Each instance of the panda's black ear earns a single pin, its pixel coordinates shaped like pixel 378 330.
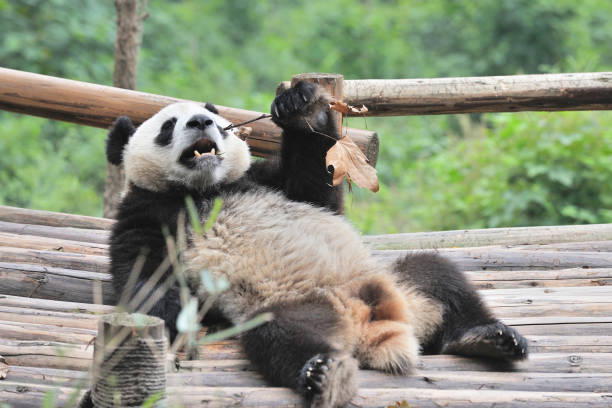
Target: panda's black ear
pixel 211 108
pixel 118 136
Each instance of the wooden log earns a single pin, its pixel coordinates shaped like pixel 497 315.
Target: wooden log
pixel 20 395
pixel 231 350
pixel 66 260
pixel 47 354
pixel 43 332
pixel 68 233
pixel 470 380
pixel 99 105
pixel 539 362
pixel 492 259
pixel 573 277
pixel 54 305
pixel 47 282
pixel 48 376
pixel 25 395
pixel 491 236
pixel 52 244
pixel 382 397
pixel 590 246
pixel 434 96
pixel 52 219
pixel 556 382
pixel 570 344
pixel 48 317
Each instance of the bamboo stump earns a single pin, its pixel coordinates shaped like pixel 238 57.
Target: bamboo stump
pixel 129 361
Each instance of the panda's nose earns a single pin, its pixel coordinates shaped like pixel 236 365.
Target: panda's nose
pixel 199 121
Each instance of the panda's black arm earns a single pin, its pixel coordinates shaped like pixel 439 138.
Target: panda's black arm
pixel 309 131
pixel 139 232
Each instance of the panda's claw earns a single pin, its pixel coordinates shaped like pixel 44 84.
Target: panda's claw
pixel 495 340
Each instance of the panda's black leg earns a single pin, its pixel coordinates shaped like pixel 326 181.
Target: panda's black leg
pixel 294 350
pixel 494 340
pixel 468 327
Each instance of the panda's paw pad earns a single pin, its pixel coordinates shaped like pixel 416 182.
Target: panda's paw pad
pixel 314 374
pixel 303 100
pixel 495 340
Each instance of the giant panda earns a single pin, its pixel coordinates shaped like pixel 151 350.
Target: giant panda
pixel 283 246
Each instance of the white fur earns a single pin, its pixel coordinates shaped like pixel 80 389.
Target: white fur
pixel 153 167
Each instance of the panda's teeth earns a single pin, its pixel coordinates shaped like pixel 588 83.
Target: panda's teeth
pixel 196 153
pixel 213 151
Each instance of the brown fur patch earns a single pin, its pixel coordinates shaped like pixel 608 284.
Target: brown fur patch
pixel 389 346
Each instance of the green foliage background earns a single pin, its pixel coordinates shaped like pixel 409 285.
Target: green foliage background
pixel 442 172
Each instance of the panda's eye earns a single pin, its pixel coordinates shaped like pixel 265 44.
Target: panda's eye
pixel 169 124
pixel 165 134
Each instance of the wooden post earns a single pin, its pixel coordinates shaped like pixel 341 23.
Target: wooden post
pixel 333 83
pixel 129 361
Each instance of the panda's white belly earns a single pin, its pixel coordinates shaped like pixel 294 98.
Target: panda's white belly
pixel 271 249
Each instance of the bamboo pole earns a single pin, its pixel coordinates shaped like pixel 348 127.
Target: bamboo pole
pixel 99 106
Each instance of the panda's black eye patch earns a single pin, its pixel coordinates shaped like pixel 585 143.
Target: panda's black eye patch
pixel 165 133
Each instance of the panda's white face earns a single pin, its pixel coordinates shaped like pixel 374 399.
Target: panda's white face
pixel 184 143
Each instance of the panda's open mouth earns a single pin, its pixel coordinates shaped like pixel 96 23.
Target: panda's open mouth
pixel 200 150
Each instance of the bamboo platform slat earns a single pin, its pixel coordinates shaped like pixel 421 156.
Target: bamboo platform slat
pixel 554 284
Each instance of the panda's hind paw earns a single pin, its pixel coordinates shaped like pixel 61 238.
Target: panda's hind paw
pixel 495 340
pixel 328 380
pixel 314 374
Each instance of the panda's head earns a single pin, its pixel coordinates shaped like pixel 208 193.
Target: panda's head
pixel 184 144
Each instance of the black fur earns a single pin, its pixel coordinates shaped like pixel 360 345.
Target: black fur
pixel 118 136
pixel 164 138
pixel 211 108
pixel 468 326
pixel 309 132
pixel 280 349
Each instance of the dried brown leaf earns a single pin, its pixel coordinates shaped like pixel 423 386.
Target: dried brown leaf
pixel 345 108
pixel 350 162
pixel 244 132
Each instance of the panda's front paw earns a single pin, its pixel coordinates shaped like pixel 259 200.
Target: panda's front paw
pixel 306 105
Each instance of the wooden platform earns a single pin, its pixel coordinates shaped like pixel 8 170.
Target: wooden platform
pixel 552 283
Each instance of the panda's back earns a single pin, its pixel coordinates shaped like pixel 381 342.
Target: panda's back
pixel 271 249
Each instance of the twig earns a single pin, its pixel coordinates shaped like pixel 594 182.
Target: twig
pixel 263 116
